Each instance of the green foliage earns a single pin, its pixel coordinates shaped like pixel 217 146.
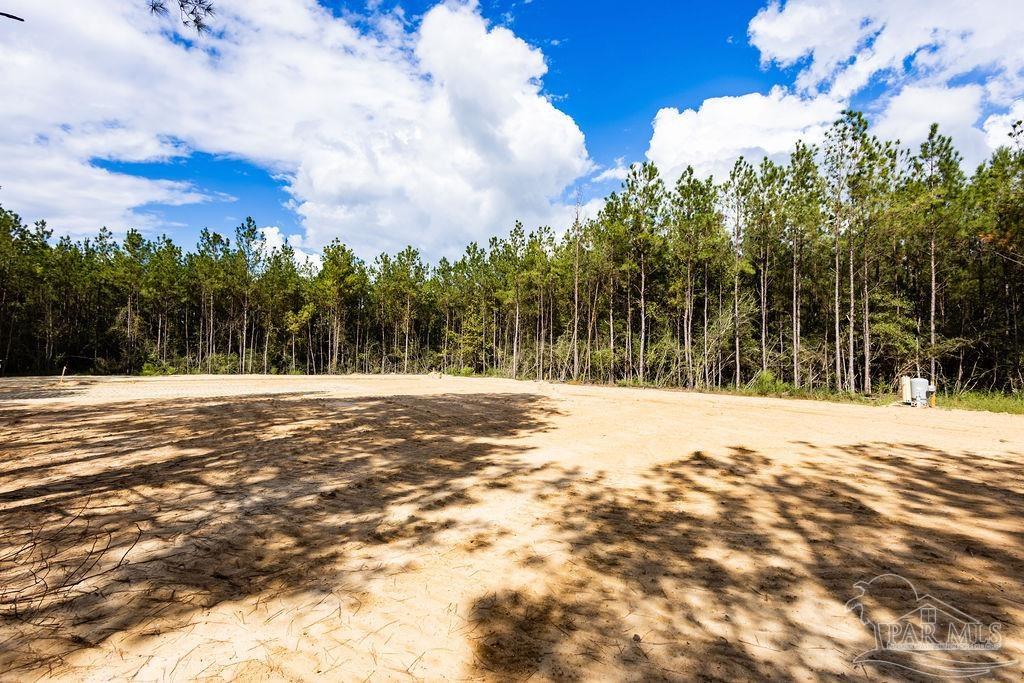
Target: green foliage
pixel 991 401
pixel 813 279
pixel 157 369
pixel 765 383
pixel 222 364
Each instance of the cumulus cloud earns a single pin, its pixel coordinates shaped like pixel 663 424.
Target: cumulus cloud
pixel 272 239
pixel 50 179
pixel 713 136
pixel 998 126
pixel 383 136
pixel 958 64
pixel 618 172
pixel 841 46
pixel 955 63
pixel 909 114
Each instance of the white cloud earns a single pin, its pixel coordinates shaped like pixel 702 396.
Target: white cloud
pixel 959 64
pixel 383 138
pixel 712 137
pixel 618 172
pixel 273 239
pixel 50 180
pixel 910 113
pixel 998 126
pixel 840 46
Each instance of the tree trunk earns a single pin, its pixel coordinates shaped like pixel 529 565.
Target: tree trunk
pixel 551 337
pixel 796 316
pixel 835 308
pixel 736 323
pixel 931 319
pixel 444 341
pixel 852 319
pixel 866 329
pixel 576 310
pixel 688 326
pixel 643 319
pixel 539 344
pixel 310 358
pixel 764 312
pixel 611 331
pixel 706 360
pixel 266 349
pixel 515 343
pixel 408 316
pixel 245 330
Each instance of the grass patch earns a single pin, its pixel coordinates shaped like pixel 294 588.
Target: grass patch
pixel 990 401
pixel 766 384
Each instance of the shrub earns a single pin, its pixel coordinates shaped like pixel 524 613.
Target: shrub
pixel 220 364
pixel 157 368
pixel 765 383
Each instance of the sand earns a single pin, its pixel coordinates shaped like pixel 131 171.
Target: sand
pixel 392 528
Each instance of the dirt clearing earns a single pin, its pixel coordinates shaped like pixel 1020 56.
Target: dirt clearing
pixel 277 528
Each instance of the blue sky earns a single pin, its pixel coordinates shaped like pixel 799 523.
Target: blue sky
pixel 610 67
pixel 615 66
pixel 388 123
pixel 237 189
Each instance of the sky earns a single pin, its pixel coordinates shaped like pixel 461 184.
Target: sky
pixel 389 123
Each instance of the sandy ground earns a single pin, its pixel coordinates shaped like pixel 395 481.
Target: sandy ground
pixel 389 528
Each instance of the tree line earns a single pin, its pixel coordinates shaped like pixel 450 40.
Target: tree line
pixel 839 270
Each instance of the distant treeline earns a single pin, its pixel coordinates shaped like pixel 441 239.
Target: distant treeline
pixel 846 267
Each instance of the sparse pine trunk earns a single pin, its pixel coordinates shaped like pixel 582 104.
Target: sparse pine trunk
pixel 931 318
pixel 611 331
pixel 643 319
pixel 796 314
pixel 245 330
pixel 866 330
pixel 852 385
pixel 688 326
pixel 515 343
pixel 576 307
pixel 736 324
pixel 835 307
pixel 736 298
pixel 408 322
pixel 704 337
pixel 266 351
pixel 764 311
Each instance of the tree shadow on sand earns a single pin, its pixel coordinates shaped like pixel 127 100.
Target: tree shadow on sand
pixel 732 567
pixel 27 388
pixel 116 515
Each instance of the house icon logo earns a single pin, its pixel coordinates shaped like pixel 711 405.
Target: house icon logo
pixel 922 633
